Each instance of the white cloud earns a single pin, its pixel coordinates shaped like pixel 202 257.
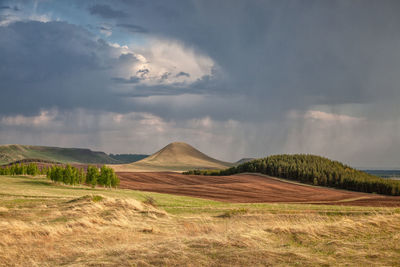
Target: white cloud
pixel 322 116
pixel 159 62
pixel 329 117
pixel 170 62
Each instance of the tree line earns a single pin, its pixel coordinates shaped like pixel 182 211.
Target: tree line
pixel 311 169
pixel 22 169
pixel 67 174
pixel 93 176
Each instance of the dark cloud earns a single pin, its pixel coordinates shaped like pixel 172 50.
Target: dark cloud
pixel 106 12
pixel 143 72
pixel 182 73
pixel 202 86
pixel 131 80
pixel 132 28
pixel 272 57
pixel 273 49
pixel 165 76
pixel 104 28
pixel 5 5
pixel 279 55
pixel 128 58
pixel 158 90
pixel 53 64
pixel 15 8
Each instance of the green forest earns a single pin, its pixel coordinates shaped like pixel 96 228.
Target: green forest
pixel 311 169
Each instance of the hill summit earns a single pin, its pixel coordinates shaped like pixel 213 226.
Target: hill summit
pixel 177 156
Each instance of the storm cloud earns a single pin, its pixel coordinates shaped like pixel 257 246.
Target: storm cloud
pixel 278 76
pixel 52 64
pixel 132 28
pixel 106 11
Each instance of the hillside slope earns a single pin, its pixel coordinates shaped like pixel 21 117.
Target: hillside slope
pixel 177 156
pixel 11 153
pixel 128 158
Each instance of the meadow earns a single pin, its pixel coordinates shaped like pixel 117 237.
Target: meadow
pixel 44 224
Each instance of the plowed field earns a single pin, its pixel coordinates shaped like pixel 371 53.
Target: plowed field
pixel 248 188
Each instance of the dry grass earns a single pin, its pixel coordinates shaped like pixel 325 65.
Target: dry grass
pixel 55 232
pixel 103 230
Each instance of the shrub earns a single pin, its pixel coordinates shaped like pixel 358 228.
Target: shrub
pixel 149 200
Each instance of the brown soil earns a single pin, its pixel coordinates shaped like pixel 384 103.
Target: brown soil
pixel 248 188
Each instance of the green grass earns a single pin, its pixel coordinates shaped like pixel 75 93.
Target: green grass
pixel 96 198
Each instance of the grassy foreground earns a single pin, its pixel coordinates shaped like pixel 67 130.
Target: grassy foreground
pixel 42 224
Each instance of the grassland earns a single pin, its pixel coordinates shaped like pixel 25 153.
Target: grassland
pixel 11 153
pixel 42 224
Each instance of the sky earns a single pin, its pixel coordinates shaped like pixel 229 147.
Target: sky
pixel 232 78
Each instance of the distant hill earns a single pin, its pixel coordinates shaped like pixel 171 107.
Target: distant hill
pixel 12 153
pixel 128 158
pixel 176 156
pixel 391 174
pixel 243 160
